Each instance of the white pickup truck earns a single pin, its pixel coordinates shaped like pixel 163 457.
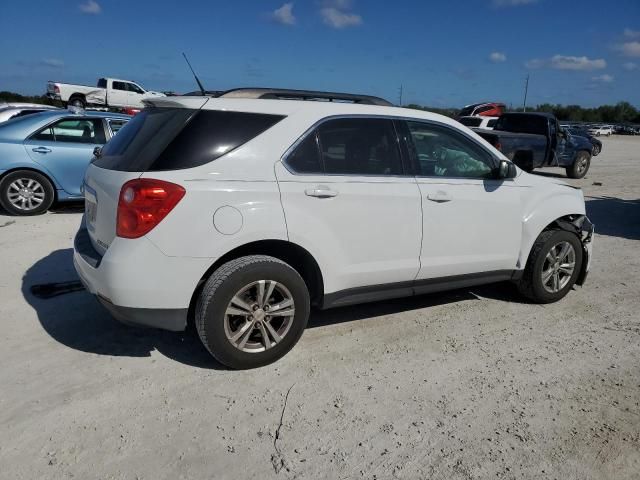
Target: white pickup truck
pixel 110 92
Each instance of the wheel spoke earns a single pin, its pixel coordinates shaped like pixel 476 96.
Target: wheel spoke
pixel 241 331
pixel 556 281
pixel 551 256
pixel 280 306
pixel 272 331
pixel 547 275
pixel 238 302
pixel 246 336
pixel 237 311
pixel 265 336
pixel 564 251
pixel 270 288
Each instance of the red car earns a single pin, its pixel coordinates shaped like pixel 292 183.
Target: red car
pixel 487 109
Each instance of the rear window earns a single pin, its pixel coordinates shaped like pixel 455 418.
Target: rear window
pixel 176 138
pixel 522 124
pixel 471 122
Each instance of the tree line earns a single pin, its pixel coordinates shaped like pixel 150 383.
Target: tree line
pixel 621 112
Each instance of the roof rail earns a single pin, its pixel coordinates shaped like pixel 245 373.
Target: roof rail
pixel 286 94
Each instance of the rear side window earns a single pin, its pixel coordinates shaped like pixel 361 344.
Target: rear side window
pixel 492 123
pixel 349 146
pixel 176 138
pixel 73 130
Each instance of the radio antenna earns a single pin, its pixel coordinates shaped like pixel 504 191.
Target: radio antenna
pixel 194 75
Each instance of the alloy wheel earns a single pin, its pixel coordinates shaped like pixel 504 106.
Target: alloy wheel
pixel 259 316
pixel 26 194
pixel 558 267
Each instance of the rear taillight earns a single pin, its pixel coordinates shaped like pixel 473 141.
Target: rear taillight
pixel 498 146
pixel 142 205
pixel 56 88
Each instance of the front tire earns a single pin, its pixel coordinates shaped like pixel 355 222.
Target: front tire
pixel 580 165
pixel 252 311
pixel 553 266
pixel 25 192
pixel 596 150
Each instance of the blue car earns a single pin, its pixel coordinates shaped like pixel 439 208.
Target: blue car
pixel 43 156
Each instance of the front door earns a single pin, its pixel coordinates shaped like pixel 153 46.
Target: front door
pixel 348 200
pixel 471 221
pixel 65 148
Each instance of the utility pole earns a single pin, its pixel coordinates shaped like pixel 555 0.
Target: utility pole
pixel 400 95
pixel 526 90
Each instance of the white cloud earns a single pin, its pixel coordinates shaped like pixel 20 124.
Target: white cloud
pixel 604 78
pixel 631 33
pixel 630 49
pixel 52 62
pixel 497 57
pixel 535 63
pixel 284 14
pixel 91 7
pixel 562 62
pixel 630 66
pixel 512 3
pixel 337 18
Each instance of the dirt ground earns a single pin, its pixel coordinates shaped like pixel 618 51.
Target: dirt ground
pixel 464 385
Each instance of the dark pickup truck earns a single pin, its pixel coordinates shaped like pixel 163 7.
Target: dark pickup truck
pixel 534 140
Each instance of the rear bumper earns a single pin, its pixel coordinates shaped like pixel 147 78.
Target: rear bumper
pixel 137 283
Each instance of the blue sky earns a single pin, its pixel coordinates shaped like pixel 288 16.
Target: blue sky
pixel 443 52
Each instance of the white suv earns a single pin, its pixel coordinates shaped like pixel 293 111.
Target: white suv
pixel 243 211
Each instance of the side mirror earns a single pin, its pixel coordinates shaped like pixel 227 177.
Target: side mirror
pixel 97 152
pixel 506 170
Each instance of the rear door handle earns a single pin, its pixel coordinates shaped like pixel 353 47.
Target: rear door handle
pixel 41 150
pixel 440 197
pixel 320 192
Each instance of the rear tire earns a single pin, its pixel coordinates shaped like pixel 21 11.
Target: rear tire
pixel 538 282
pixel 77 101
pixel 252 311
pixel 25 192
pixel 580 165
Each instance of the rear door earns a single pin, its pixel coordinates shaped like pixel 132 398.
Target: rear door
pixel 65 148
pixel 471 222
pixel 348 199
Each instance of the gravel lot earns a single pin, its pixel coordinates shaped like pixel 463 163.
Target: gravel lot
pixel 469 384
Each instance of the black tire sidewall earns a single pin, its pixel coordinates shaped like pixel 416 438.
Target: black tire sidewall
pixel 538 288
pixel 49 192
pixel 572 171
pixel 219 345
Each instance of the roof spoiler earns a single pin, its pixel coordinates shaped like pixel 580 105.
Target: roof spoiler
pixel 287 94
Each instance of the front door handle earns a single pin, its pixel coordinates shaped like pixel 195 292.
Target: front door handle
pixel 440 197
pixel 320 191
pixel 41 150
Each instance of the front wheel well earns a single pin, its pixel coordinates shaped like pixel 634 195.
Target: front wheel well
pixel 294 255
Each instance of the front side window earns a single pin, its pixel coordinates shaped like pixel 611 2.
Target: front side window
pixel 359 146
pixel 134 88
pixel 73 130
pixel 442 152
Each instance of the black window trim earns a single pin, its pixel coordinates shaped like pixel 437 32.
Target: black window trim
pixel 313 130
pixel 107 124
pixel 414 161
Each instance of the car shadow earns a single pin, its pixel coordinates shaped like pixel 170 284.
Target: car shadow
pixel 544 173
pixel 615 217
pixel 78 321
pixel 67 207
